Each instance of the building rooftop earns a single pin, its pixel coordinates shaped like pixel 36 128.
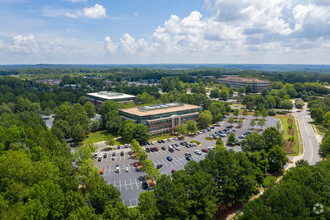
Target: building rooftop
pixel 159 109
pixel 242 79
pixel 110 95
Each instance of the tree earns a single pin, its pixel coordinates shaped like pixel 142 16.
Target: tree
pixel 90 109
pixel 326 119
pixel 245 112
pixel 224 94
pixel 78 133
pixel 182 129
pixel 110 140
pixel 231 138
pixel 219 142
pixel 299 103
pixel 264 113
pixel 191 126
pixel 272 137
pixel 47 111
pixel 261 123
pixel 218 118
pixel 248 89
pixel 236 112
pixel 82 100
pixel 150 169
pixel 35 107
pixel 113 122
pixel 171 198
pixel 278 125
pixel 127 130
pixel 231 91
pixel 250 106
pixel 286 104
pixel 276 158
pixel 231 120
pixel 107 107
pixel 253 142
pixel 141 133
pixel 215 93
pixel 205 118
pixel 256 113
pixel 148 205
pixel 317 114
pixel 324 150
pixel 253 123
pixel 264 92
pixel 241 90
pixel 240 122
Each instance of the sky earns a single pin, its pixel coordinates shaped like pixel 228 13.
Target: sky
pixel 165 31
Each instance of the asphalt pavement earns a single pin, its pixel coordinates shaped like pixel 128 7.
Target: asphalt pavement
pixel 310 143
pixel 130 183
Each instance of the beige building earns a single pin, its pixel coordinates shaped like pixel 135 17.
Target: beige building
pixel 97 98
pixel 237 82
pixel 162 118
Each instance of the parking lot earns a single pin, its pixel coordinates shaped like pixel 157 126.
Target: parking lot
pixel 130 183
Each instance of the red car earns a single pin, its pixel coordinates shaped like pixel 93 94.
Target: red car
pixel 172 171
pixel 101 171
pixel 205 150
pixel 156 149
pixel 136 164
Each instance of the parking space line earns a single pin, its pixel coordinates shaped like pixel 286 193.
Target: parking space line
pixel 130 203
pixel 125 185
pixel 136 184
pixel 131 184
pixel 114 183
pixel 136 201
pixel 119 185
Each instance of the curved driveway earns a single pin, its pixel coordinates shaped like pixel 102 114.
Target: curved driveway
pixel 310 143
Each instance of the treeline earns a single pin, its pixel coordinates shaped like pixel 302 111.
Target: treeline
pixel 135 74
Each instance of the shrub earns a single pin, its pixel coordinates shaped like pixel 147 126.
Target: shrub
pixel 271 112
pixel 269 181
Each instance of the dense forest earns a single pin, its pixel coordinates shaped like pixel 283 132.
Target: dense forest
pixel 42 178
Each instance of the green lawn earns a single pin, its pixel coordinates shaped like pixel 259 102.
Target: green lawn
pixel 160 137
pixel 285 124
pixel 97 137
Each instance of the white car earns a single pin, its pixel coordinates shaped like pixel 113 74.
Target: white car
pixel 117 168
pixel 210 148
pixel 95 155
pixel 198 152
pixel 170 147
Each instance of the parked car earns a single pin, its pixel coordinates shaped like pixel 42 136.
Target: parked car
pixel 152 149
pixel 163 148
pixel 122 153
pixel 145 184
pixel 210 148
pixel 105 155
pixel 163 141
pixel 130 153
pixel 205 150
pixel 136 164
pixel 95 155
pixel 174 170
pixel 118 147
pixel 147 150
pixel 159 141
pixel 99 158
pixel 159 166
pixel 156 149
pixel 229 126
pixel 198 152
pixel 126 169
pixel 171 150
pixel 169 140
pixel 169 158
pixel 101 171
pixel 117 168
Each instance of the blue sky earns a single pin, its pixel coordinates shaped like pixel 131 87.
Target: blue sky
pixel 164 31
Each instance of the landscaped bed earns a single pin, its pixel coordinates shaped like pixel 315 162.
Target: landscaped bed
pixel 290 135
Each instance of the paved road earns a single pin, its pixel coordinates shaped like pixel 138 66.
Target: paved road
pixel 311 146
pixel 130 183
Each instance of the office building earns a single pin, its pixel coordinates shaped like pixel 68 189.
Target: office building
pixel 97 98
pixel 162 118
pixel 237 82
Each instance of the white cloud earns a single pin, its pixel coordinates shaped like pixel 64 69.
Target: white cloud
pixel 96 11
pixel 24 44
pixel 109 45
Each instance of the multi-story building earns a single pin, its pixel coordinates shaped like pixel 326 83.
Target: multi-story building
pixel 162 118
pixel 236 82
pixel 97 98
